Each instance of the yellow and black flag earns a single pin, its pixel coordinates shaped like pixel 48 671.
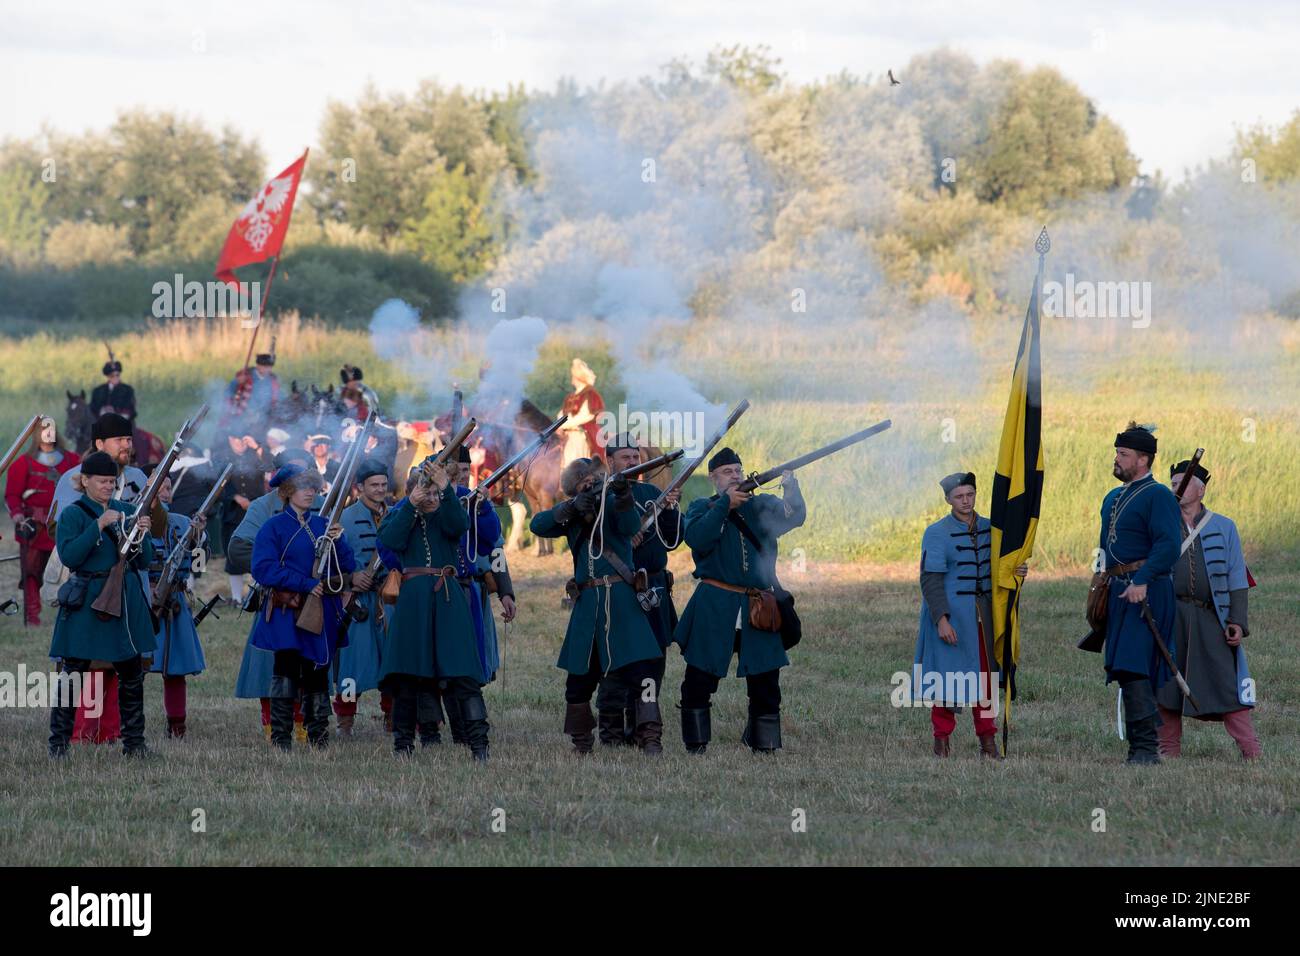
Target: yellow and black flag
pixel 1018 489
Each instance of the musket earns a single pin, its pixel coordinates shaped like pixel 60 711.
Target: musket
pixel 504 469
pixel 448 450
pixel 677 483
pixel 758 479
pixel 1187 475
pixel 636 471
pixel 170 578
pixel 109 601
pixel 1164 652
pixel 16 448
pixel 311 617
pixel 207 609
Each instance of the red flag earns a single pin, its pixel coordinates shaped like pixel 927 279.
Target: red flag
pixel 258 232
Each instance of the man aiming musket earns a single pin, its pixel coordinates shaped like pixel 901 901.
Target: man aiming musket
pixel 660 533
pixel 740 607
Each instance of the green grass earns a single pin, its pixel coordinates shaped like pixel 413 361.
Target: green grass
pixel 860 769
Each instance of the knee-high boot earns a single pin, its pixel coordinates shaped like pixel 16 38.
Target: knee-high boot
pixel 473 710
pixel 316 718
pixel 763 733
pixel 1140 722
pixel 697 728
pixel 284 694
pixel 405 715
pixel 579 724
pixel 427 715
pixel 63 712
pixel 649 728
pixel 130 700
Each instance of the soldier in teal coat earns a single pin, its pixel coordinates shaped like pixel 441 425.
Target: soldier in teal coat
pixel 431 645
pixel 733 540
pixel 89 532
pixel 615 712
pixel 608 632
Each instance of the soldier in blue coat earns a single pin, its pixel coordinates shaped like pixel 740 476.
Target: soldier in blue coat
pixel 89 532
pixel 283 564
pixel 179 652
pixel 733 539
pixel 615 713
pixel 1212 586
pixel 608 632
pixel 954 644
pixel 257 666
pixel 357 665
pixel 1138 547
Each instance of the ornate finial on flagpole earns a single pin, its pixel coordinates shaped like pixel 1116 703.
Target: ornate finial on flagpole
pixel 1042 245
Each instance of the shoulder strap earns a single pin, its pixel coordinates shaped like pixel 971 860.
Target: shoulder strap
pixel 1192 535
pixel 744 529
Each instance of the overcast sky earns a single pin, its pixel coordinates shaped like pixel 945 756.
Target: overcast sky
pixel 1177 76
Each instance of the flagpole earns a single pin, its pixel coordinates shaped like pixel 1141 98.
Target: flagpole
pixel 1042 245
pixel 261 309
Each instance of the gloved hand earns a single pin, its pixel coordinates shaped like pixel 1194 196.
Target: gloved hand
pixel 624 500
pixel 588 503
pixel 566 511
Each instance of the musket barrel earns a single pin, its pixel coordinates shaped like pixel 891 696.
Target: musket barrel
pixel 31 428
pixel 503 470
pixel 647 466
pixel 749 484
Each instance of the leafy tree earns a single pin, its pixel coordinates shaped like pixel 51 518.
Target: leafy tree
pixel 74 244
pixel 454 232
pixel 22 214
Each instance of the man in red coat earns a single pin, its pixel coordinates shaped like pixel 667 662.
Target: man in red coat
pixel 29 493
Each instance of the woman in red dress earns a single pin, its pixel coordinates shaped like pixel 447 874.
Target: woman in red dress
pixel 582 405
pixel 29 493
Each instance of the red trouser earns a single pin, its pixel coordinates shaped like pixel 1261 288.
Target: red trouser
pixel 944 719
pixel 266 711
pixel 32 562
pixel 1239 725
pixel 105 728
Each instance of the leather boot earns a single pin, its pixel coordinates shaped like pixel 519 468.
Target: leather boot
pixel 611 723
pixel 763 733
pixel 455 719
pixel 427 714
pixel 346 724
pixel 989 748
pixel 941 748
pixel 473 710
pixel 1140 722
pixel 697 728
pixel 284 693
pixel 130 699
pixel 176 728
pixel 316 718
pixel 578 724
pixel 63 713
pixel 649 729
pixel 629 726
pixel 405 709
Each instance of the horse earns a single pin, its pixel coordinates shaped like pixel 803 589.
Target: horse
pixel 538 481
pixel 78 422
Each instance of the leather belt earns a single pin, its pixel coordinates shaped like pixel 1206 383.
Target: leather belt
pixel 442 574
pixel 1129 568
pixel 732 587
pixel 605 581
pixel 1188 599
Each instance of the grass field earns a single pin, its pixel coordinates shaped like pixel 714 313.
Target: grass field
pixel 860 769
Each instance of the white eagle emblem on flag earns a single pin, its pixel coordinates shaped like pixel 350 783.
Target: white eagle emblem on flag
pixel 258 212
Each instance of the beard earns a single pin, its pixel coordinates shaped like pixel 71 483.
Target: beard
pixel 1123 475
